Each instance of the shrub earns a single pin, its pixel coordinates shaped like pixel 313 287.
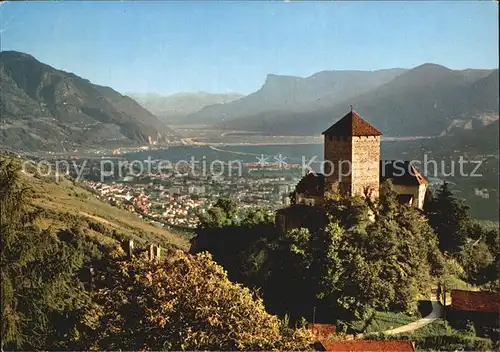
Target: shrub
pixel 97 227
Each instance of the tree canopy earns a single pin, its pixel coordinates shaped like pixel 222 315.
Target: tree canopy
pixel 366 256
pixel 450 219
pixel 184 303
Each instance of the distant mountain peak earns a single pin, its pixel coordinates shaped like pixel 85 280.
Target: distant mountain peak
pixel 171 108
pixel 272 78
pixel 20 57
pixel 15 53
pixel 429 65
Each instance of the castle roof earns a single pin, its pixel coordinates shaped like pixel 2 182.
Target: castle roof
pixel 352 125
pixel 401 172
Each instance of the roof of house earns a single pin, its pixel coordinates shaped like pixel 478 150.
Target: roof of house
pixel 475 301
pixel 401 172
pixel 352 125
pixel 368 346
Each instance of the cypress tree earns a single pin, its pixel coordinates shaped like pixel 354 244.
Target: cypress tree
pixel 450 219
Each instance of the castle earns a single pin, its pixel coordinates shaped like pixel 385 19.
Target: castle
pixel 352 167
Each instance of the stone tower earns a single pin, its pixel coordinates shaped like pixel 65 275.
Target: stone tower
pixel 352 149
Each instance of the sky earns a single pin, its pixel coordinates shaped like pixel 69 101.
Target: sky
pixel 168 47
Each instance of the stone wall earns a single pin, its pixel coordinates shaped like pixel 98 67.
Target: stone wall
pixel 337 149
pixel 422 189
pixel 366 165
pixel 363 171
pixel 417 191
pixel 309 199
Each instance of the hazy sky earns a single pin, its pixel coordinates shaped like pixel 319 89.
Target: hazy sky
pixel 169 47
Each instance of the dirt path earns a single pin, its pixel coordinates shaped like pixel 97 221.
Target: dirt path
pixel 437 312
pixel 97 218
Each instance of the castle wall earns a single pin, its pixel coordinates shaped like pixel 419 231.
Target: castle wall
pixel 422 189
pixel 337 149
pixel 309 200
pixel 366 165
pixel 418 193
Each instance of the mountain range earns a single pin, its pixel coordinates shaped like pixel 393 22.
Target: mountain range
pixel 43 108
pixel 295 94
pixel 423 101
pixel 173 108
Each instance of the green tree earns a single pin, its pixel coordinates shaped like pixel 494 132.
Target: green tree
pixel 228 206
pixel 222 213
pixel 390 262
pixel 351 213
pixel 363 257
pixel 288 289
pixel 214 218
pixel 480 257
pixel 257 216
pixel 475 259
pixel 304 271
pixel 450 219
pixel 491 273
pixel 326 266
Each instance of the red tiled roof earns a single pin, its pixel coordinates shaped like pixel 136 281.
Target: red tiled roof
pixel 322 331
pixel 369 346
pixel 475 301
pixel 352 125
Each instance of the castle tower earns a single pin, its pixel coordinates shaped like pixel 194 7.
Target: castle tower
pixel 352 148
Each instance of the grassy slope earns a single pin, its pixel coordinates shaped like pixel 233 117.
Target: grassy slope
pixel 382 321
pixel 68 198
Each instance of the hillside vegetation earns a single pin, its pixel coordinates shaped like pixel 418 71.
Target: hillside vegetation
pixel 71 286
pixel 66 203
pixel 359 264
